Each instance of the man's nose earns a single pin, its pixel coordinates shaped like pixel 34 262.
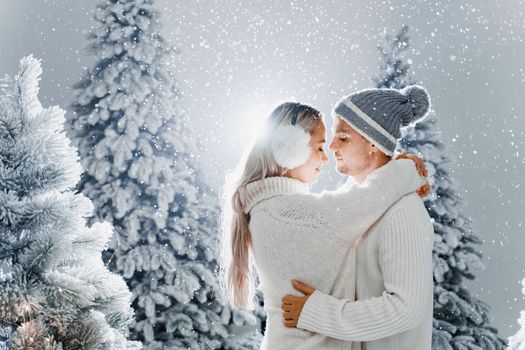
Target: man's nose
pixel 332 146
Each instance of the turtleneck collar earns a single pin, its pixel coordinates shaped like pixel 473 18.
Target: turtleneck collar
pixel 269 187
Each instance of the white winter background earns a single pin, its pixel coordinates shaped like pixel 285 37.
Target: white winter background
pixel 238 58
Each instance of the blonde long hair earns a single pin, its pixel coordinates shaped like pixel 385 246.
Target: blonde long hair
pixel 258 163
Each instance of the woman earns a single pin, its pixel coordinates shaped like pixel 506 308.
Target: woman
pixel 291 233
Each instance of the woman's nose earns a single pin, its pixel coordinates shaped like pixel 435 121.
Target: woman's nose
pixel 324 157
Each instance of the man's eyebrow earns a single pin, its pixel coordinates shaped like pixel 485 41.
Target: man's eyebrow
pixel 340 129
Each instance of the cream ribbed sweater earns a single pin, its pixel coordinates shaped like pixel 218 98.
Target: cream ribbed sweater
pixel 296 235
pixel 392 271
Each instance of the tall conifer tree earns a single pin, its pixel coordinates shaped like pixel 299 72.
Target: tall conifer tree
pixel 139 156
pixel 55 291
pixel 461 321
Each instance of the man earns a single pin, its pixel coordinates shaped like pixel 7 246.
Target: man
pixel 383 299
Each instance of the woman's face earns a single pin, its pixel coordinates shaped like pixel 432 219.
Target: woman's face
pixel 309 172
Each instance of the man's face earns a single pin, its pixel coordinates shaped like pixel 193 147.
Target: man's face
pixel 351 151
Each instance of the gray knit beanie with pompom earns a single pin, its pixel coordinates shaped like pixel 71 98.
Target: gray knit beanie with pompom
pixel 379 114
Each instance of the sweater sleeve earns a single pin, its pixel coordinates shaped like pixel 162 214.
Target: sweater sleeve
pixel 405 258
pixel 351 212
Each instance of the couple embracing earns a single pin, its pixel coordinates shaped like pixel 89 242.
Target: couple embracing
pixel 344 269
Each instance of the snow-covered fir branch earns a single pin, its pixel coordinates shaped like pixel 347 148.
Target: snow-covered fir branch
pixel 517 341
pixel 55 291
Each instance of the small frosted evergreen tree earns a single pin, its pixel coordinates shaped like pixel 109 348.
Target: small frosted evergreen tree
pixel 393 68
pixel 55 291
pixel 517 341
pixel 138 153
pixel 460 320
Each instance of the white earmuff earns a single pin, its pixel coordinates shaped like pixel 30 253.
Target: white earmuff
pixel 291 144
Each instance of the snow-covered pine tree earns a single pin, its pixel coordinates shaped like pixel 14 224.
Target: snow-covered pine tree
pixel 393 69
pixel 517 341
pixel 460 320
pixel 139 157
pixel 55 291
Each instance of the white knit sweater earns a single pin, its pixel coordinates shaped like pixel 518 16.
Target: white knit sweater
pixel 296 235
pixel 391 273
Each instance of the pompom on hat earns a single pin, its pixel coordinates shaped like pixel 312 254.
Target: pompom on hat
pixel 379 114
pixel 419 104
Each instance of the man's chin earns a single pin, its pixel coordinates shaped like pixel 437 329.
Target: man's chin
pixel 341 169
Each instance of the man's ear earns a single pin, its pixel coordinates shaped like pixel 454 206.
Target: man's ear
pixel 373 149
